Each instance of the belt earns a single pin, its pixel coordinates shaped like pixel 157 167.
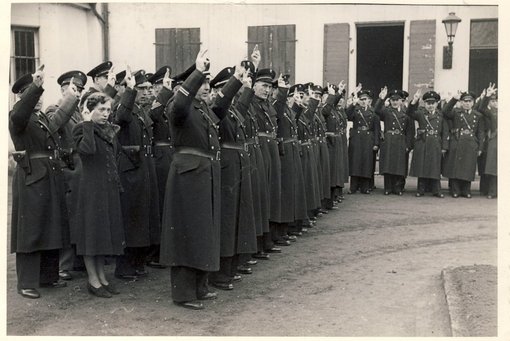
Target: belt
pixel 363 128
pixel 395 131
pixel 147 150
pixel 198 152
pixel 252 140
pixel 162 144
pixel 292 139
pixel 305 143
pixel 236 146
pixel 329 133
pixel 466 132
pixel 42 155
pixel 268 135
pixel 454 130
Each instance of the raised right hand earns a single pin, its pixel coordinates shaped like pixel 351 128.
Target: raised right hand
pixel 38 76
pixel 202 62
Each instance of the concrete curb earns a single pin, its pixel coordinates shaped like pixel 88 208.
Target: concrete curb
pixel 471 296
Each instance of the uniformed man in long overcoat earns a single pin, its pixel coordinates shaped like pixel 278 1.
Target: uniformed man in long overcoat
pixel 363 140
pixel 38 206
pixel 266 117
pixel 190 241
pixel 398 135
pixel 140 205
pixel 72 162
pixel 162 143
pixel 238 232
pixel 489 108
pixel 465 143
pixel 431 143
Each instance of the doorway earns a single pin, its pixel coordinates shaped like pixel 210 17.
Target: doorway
pixel 380 56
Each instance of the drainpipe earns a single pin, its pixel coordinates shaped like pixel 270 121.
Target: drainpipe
pixel 105 27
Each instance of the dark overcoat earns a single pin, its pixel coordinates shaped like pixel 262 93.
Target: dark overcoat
pixel 398 139
pixel 293 187
pixel 238 232
pixel 266 118
pixel 491 115
pixel 432 138
pixel 257 167
pixel 308 157
pixel 98 228
pixel 333 139
pixel 190 233
pixel 325 175
pixel 140 204
pixel 363 136
pixel 162 148
pixel 465 142
pixel 38 205
pixel 343 167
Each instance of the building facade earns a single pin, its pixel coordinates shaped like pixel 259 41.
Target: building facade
pixel 401 46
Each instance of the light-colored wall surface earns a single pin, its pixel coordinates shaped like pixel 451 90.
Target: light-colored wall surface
pixel 224 32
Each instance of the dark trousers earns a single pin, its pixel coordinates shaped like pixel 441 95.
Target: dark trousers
pixel 134 258
pixel 67 256
pixel 358 182
pixel 36 268
pixel 264 242
pixel 461 187
pixel 228 268
pixel 484 184
pixel 427 184
pixel 393 183
pixel 153 253
pixel 276 231
pixel 188 284
pixel 492 185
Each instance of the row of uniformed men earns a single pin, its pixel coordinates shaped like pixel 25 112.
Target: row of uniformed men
pixel 284 159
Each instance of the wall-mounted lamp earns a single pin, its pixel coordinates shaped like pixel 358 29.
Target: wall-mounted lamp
pixel 450 24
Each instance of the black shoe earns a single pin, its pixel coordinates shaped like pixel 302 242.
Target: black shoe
pixel 260 255
pixel 210 296
pixel 127 277
pixel 400 193
pixel 251 262
pixel 282 243
pixel 29 293
pixel 439 195
pixel 141 273
pixel 194 305
pixel 244 270
pixel 237 278
pixel 296 233
pixel 367 192
pixel 419 195
pixel 111 289
pixel 323 211
pixel 155 265
pixel 490 197
pixel 221 286
pixel 455 196
pixel 99 292
pixel 304 230
pixel 386 193
pixel 65 275
pixel 468 196
pixel 290 238
pixel 273 250
pixel 56 284
pixel 334 207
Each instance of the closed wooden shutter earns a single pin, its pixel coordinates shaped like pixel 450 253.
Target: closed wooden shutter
pixel 484 34
pixel 421 55
pixel 277 45
pixel 177 47
pixel 336 53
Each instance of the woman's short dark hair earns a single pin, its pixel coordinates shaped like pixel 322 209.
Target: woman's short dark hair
pixel 96 98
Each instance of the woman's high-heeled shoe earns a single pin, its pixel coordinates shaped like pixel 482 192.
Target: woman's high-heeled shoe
pixel 99 292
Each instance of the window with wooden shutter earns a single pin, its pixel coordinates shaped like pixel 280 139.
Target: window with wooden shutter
pixel 277 45
pixel 177 47
pixel 336 53
pixel 422 51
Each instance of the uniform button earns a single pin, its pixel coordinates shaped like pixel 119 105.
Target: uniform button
pixel 49 147
pixel 212 147
pixel 210 135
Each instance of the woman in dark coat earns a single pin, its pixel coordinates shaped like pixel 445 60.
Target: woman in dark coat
pixel 98 231
pixel 431 143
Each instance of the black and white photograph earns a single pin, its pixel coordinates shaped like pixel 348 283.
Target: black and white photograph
pixel 255 169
